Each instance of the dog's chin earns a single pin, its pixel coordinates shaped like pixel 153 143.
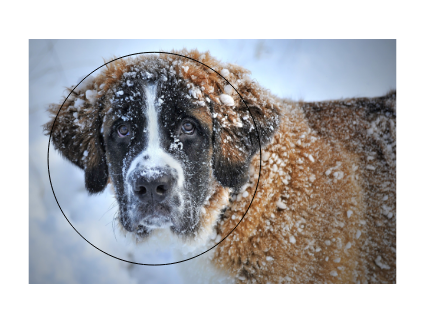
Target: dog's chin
pixel 150 218
pixel 161 216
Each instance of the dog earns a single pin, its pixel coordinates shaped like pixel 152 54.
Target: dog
pixel 295 192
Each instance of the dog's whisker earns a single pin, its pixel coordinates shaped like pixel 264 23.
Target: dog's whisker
pixel 114 220
pixel 112 206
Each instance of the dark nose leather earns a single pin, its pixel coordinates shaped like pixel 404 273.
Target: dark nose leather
pixel 153 189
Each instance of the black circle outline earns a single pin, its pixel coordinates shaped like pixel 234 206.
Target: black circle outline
pixel 51 184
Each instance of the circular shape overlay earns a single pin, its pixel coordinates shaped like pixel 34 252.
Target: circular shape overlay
pixel 147 264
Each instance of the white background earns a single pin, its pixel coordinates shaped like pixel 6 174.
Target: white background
pixel 220 19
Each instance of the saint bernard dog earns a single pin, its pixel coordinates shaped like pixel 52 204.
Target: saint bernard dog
pixel 187 142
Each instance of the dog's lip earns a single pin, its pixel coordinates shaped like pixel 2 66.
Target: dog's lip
pixel 156 221
pixel 148 216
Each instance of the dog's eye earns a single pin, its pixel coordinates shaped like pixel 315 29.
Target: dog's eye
pixel 123 131
pixel 188 128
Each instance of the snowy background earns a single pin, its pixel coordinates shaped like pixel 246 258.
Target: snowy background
pixel 299 69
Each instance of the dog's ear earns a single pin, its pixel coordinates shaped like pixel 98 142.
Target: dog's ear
pixel 239 130
pixel 75 130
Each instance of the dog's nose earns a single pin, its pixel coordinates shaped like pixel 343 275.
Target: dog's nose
pixel 153 189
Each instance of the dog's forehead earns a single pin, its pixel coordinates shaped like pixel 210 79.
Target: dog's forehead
pixel 172 95
pixel 184 88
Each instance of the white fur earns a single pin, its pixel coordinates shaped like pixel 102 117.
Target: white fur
pixel 201 270
pixel 157 157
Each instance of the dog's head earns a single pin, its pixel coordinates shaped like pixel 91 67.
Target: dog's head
pixel 171 135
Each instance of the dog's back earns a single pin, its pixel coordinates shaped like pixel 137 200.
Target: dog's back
pixel 325 206
pixel 366 128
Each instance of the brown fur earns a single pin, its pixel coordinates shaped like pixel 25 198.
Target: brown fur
pixel 317 202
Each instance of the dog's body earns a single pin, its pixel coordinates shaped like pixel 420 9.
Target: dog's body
pixel 181 150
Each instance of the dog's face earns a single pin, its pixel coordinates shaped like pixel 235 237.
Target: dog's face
pixel 159 151
pixel 168 133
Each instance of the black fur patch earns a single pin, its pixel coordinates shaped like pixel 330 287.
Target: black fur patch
pixel 244 143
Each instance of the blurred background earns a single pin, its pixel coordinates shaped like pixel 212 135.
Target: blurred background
pixel 310 70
